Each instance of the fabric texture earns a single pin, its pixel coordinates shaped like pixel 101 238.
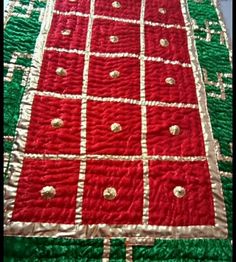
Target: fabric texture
pixel 117 131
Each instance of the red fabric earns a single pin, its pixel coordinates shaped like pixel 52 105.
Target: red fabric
pixel 36 174
pixel 183 91
pixel 77 38
pixel 177 38
pixel 100 138
pixel 128 34
pixel 82 6
pixel 173 13
pixel 195 208
pixel 69 84
pixel 128 10
pixel 126 177
pixel 43 138
pixel 101 84
pixel 189 142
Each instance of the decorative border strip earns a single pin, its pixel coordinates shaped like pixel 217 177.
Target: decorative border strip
pixel 91 231
pixel 113 55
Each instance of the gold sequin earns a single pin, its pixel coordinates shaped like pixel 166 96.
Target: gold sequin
pixel 61 71
pixel 109 193
pixel 170 81
pixel 164 42
pixel 116 4
pixel 66 32
pixel 57 122
pixel 48 192
pixel 179 191
pixel 114 74
pixel 116 127
pixel 162 10
pixel 174 130
pixel 114 39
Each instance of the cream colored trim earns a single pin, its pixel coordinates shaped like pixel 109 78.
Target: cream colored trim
pixel 226 174
pixel 118 100
pixel 82 174
pixel 106 250
pixel 113 55
pixel 129 253
pixel 131 21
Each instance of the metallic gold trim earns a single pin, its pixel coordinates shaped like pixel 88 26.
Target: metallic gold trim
pixel 82 174
pixel 113 55
pixel 226 174
pixel 8 138
pixel 144 117
pixel 106 250
pixel 128 252
pixel 218 199
pixel 131 21
pixel 115 157
pixel 118 100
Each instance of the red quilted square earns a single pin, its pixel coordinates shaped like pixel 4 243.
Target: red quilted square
pixel 114 77
pixel 54 126
pixel 176 48
pixel 124 9
pixel 68 32
pixel 166 12
pixel 82 6
pixel 193 206
pixel 124 205
pixel 187 142
pixel 124 37
pixel 160 88
pixel 113 128
pixel 71 83
pixel 31 206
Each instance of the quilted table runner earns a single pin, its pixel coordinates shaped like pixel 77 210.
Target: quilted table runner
pixel 117 131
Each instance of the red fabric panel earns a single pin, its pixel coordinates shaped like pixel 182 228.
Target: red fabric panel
pixel 126 177
pixel 69 84
pixel 43 138
pixel 195 208
pixel 63 176
pixel 82 6
pixel 101 140
pixel 76 40
pixel 159 140
pixel 128 10
pixel 127 85
pixel 173 13
pixel 177 38
pixel 129 37
pixel 183 91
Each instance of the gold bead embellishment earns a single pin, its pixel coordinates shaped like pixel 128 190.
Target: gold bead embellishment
pixel 57 122
pixel 66 32
pixel 170 81
pixel 114 74
pixel 109 193
pixel 174 130
pixel 162 10
pixel 179 191
pixel 114 39
pixel 116 127
pixel 48 192
pixel 164 42
pixel 61 71
pixel 116 4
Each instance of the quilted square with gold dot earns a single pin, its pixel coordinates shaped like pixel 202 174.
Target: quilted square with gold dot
pixel 117 134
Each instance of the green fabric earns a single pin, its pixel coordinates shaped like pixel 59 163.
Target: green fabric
pixel 20 35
